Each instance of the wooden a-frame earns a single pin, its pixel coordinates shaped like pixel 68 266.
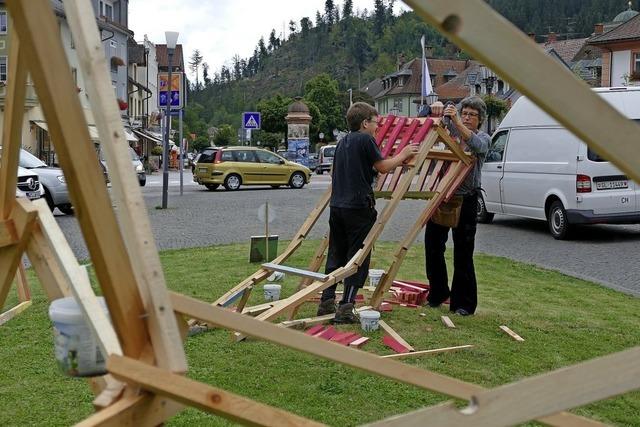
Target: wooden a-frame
pixel 146 358
pixel 432 176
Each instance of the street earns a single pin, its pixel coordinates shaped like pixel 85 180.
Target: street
pixel 604 254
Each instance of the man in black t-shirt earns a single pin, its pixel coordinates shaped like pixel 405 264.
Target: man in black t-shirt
pixel 352 211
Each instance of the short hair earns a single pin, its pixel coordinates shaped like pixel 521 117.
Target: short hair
pixel 475 103
pixel 358 113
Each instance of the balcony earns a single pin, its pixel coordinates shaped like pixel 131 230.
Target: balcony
pixel 31 99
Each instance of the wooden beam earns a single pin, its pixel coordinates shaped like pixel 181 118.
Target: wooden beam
pixel 518 60
pixel 8 235
pixel 143 410
pixel 12 124
pixel 389 330
pixel 24 218
pixel 427 352
pixel 296 271
pixel 202 396
pixel 13 312
pixel 447 322
pixel 132 215
pixel 22 285
pixel 409 195
pixel 47 62
pixel 511 333
pixel 537 396
pixel 49 272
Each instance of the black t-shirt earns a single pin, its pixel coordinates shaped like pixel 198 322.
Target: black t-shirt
pixel 353 171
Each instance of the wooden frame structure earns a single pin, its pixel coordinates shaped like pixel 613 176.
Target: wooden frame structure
pixel 432 176
pixel 144 348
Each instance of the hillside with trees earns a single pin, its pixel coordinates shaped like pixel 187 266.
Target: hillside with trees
pixel 323 56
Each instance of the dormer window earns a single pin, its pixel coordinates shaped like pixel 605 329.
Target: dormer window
pixel 401 82
pixel 106 9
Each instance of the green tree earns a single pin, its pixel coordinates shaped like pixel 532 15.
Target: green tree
pixel 347 9
pixel 226 135
pixel 305 26
pixel 322 91
pixel 194 64
pixel 273 112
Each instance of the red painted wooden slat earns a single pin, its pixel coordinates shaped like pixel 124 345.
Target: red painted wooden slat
pixel 314 330
pixel 383 129
pixel 391 140
pixel 394 344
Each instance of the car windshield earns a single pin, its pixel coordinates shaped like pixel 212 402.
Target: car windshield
pixel 29 161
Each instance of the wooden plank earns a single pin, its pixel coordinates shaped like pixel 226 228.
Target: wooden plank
pixel 309 321
pixel 296 271
pixel 8 235
pixel 511 333
pixel 359 342
pixel 202 396
pixel 257 309
pixel 12 124
pixel 434 175
pixel 53 281
pixel 24 218
pixel 384 128
pixel 245 297
pixel 132 212
pixel 388 329
pixel 143 410
pixel 13 312
pixel 454 147
pixel 409 195
pixel 393 137
pixel 517 59
pixel 427 352
pixel 422 176
pixel 47 62
pixel 316 261
pixel 22 285
pixel 447 322
pixel 358 359
pixel 392 343
pixel 78 278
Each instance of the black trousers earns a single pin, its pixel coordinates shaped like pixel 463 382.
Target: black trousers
pixel 347 230
pixel 463 292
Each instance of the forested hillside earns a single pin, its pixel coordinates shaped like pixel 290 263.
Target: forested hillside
pixel 352 49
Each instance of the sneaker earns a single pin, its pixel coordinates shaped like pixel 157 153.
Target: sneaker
pixel 462 312
pixel 326 307
pixel 345 314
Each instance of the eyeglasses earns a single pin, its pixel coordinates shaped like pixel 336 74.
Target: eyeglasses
pixel 469 114
pixel 373 121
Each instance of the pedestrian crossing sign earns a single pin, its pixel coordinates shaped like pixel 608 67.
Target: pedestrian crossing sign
pixel 251 120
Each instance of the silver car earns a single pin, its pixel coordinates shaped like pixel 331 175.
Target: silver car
pixel 52 180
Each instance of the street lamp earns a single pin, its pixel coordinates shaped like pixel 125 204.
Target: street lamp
pixel 431 98
pixel 172 39
pixel 488 78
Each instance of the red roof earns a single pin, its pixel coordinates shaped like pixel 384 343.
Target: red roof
pixel 566 49
pixel 163 59
pixel 627 31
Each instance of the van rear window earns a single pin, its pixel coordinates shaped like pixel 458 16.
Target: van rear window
pixel 207 156
pixel 595 157
pixel 329 152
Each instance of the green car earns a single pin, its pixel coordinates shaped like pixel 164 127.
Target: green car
pixel 236 166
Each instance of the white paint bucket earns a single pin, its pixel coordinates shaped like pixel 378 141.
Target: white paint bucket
pixel 369 320
pixel 374 276
pixel 76 349
pixel 271 292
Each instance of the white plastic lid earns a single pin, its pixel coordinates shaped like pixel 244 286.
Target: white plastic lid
pixel 376 272
pixel 271 286
pixel 369 314
pixel 66 310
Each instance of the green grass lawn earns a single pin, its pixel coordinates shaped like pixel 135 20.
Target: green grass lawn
pixel 563 321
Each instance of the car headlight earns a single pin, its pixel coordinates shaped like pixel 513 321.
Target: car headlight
pixel 139 168
pixel 61 179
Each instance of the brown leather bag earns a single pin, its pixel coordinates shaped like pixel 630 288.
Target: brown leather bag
pixel 448 213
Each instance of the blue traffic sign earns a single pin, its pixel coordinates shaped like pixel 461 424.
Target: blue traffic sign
pixel 251 120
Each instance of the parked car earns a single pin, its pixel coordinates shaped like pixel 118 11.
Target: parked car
pixel 535 168
pixel 28 184
pixel 325 158
pixel 236 166
pixel 52 181
pixel 138 167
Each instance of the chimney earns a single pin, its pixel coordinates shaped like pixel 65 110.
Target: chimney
pixel 599 29
pixel 401 61
pixel 532 36
pixel 552 38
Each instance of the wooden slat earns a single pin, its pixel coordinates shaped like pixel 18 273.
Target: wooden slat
pixel 427 352
pixel 132 212
pixel 202 396
pixel 453 145
pixel 143 410
pixel 389 330
pixel 22 285
pixel 310 321
pixel 409 195
pixel 393 137
pixel 13 312
pixel 47 62
pixel 49 272
pixel 512 334
pixel 316 261
pixel 430 185
pixel 296 271
pixel 422 176
pixel 384 128
pixel 517 59
pixel 12 124
pixel 447 322
pixel 409 133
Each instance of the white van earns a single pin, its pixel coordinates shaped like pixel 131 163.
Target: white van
pixel 537 169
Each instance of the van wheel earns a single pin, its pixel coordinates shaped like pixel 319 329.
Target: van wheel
pixel 297 180
pixel 484 217
pixel 232 182
pixel 212 187
pixel 559 226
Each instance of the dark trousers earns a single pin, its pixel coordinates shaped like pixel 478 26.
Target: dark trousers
pixel 463 292
pixel 347 230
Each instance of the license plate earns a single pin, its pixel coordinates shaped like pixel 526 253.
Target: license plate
pixel 202 170
pixel 612 185
pixel 33 195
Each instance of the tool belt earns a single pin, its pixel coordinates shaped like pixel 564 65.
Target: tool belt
pixel 448 213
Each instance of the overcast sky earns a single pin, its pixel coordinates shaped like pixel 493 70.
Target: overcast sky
pixel 222 28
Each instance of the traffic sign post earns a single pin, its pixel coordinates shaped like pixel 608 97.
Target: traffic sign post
pixel 251 120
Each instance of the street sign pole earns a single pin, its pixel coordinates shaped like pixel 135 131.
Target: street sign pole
pixel 165 152
pixel 181 160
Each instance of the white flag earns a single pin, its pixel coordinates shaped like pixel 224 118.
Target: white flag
pixel 427 88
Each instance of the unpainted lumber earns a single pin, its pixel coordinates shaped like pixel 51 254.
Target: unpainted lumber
pixel 511 333
pixel 427 352
pixel 389 330
pixel 447 322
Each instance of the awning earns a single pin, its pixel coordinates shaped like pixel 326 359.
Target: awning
pixel 152 136
pixel 93 131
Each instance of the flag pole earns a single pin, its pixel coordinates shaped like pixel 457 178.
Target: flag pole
pixel 422 82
